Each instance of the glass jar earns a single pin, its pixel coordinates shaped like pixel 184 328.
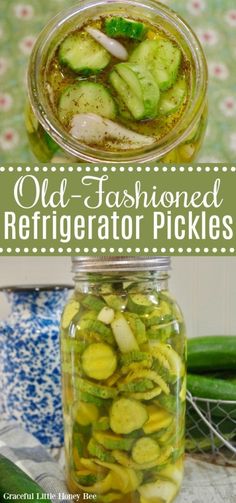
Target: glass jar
pixel 50 141
pixel 124 381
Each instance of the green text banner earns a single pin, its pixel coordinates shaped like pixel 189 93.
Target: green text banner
pixel 118 210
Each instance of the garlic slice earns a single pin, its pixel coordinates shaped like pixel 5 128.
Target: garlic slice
pixel 112 46
pixel 93 129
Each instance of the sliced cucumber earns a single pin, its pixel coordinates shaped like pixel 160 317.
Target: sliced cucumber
pixel 147 395
pixel 166 435
pixel 87 397
pixel 123 459
pixel 122 27
pixel 171 100
pixel 160 490
pixel 88 315
pixel 161 332
pixel 123 334
pixel 148 375
pixel 137 327
pixel 111 441
pixel 78 445
pixel 93 302
pixel 134 367
pixel 136 386
pixel 135 356
pixel 157 317
pixel 73 346
pixel 158 419
pixel 99 361
pixel 102 424
pixel 86 478
pixel 162 59
pixel 133 103
pixel 166 352
pixel 127 415
pixel 139 303
pixel 101 486
pixel 97 330
pixel 154 318
pixel 82 54
pixel 122 479
pixel 136 86
pixel 169 403
pixel 158 463
pixel 86 97
pixel 85 413
pixel 97 450
pixel 95 389
pixel 145 450
pixel 116 302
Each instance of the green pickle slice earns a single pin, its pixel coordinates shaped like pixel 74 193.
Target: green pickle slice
pixel 124 391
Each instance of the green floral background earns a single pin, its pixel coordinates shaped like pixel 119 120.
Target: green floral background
pixel 213 20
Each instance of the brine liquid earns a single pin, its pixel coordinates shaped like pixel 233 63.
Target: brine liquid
pixel 58 77
pixel 100 461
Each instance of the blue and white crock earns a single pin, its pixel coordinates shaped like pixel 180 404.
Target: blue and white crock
pixel 30 385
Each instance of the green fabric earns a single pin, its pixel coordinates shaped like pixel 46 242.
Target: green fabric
pixel 213 20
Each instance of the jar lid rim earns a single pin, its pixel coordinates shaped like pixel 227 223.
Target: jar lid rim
pixel 45 115
pixel 120 264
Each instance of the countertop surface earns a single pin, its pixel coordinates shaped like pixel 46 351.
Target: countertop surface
pixel 214 22
pixel 207 483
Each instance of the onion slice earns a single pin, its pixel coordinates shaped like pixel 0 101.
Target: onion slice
pixel 93 129
pixel 112 46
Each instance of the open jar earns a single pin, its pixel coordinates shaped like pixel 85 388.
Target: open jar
pixel 170 137
pixel 124 381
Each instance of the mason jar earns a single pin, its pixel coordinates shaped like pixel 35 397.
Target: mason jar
pixel 124 379
pixel 50 141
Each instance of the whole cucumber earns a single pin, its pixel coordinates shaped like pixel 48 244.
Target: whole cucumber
pixel 212 353
pixel 213 388
pixel 14 481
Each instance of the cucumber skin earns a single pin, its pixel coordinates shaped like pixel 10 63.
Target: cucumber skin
pixel 97 450
pixel 121 27
pixel 209 353
pixel 124 444
pixel 93 302
pixel 82 43
pixel 207 387
pixel 92 388
pixel 86 97
pixel 216 389
pixel 14 480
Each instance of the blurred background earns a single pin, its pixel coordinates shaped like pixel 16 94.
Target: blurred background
pixel 205 287
pixel 213 20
